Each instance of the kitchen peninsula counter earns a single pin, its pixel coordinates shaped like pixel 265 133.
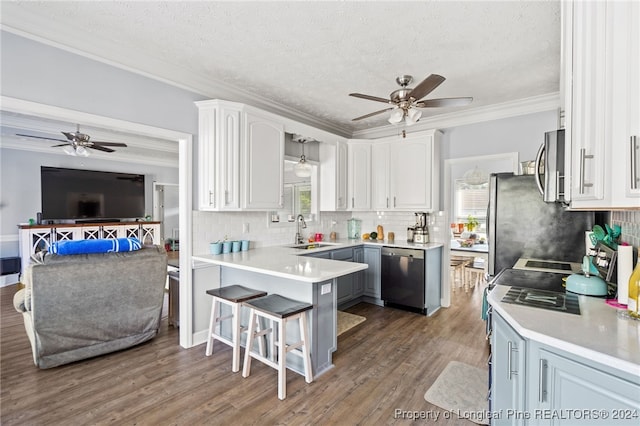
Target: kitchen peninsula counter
pixel 597 334
pixel 288 271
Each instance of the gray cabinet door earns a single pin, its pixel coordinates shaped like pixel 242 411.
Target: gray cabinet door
pixel 507 372
pixel 563 385
pixel 372 274
pixel 345 282
pixel 358 279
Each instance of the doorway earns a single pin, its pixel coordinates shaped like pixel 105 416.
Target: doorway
pixel 166 210
pixel 454 170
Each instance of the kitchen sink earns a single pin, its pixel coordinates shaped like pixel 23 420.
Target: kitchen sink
pixel 310 246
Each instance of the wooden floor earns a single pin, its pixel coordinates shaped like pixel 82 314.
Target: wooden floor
pixel 385 364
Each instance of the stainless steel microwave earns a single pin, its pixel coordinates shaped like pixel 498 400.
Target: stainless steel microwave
pixel 550 167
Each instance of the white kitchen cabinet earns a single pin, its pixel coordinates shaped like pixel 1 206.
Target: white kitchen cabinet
pixel 508 378
pixel 381 198
pixel 359 153
pixel 333 175
pixel 601 96
pixel 240 158
pixel 263 166
pixel 405 172
pixel 219 125
pixel 563 389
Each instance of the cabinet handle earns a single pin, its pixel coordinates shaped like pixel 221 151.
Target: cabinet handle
pixel 542 391
pixel 394 202
pixel 583 158
pixel 387 202
pixel 211 202
pixel 352 203
pixel 634 162
pixel 226 196
pixel 511 349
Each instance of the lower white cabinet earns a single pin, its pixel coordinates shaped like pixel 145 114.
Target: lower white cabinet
pixel 508 374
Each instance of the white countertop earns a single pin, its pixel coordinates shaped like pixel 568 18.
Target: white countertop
pixel 287 262
pixel 598 333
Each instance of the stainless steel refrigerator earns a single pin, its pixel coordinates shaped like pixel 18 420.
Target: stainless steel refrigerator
pixel 521 224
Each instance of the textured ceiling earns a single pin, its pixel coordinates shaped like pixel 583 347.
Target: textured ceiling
pixel 308 56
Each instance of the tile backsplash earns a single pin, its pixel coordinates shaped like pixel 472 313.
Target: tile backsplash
pixel 629 221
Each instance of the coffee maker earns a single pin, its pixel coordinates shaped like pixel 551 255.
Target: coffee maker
pixel 421 229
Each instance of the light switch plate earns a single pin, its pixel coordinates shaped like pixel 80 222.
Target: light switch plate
pixel 325 289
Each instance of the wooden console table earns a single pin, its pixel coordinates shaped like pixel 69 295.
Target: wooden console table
pixel 35 238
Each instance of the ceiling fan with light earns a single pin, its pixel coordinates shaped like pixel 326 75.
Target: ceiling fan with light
pixel 77 143
pixel 406 100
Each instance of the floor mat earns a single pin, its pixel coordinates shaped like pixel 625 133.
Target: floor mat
pixel 347 321
pixel 462 389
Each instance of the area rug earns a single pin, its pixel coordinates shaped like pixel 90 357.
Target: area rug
pixel 462 389
pixel 347 321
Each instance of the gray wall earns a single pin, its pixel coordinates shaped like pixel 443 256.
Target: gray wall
pixel 20 186
pixel 36 72
pixel 523 134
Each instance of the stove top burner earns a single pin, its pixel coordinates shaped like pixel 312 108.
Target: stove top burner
pixel 543 299
pixel 548 265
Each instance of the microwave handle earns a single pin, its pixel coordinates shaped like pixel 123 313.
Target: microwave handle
pixel 537 169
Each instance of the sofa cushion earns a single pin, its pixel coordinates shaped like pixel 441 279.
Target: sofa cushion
pixel 95 246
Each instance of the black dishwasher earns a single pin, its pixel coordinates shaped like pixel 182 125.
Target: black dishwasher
pixel 403 283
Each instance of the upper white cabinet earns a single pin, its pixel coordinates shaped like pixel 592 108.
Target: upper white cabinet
pixel 263 156
pixel 601 96
pixel 405 172
pixel 240 157
pixel 333 175
pixel 359 175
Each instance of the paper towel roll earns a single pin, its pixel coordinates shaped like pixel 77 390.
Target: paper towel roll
pixel 625 267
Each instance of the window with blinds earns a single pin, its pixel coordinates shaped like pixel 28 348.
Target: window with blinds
pixel 471 200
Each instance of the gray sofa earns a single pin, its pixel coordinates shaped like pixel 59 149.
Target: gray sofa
pixel 81 306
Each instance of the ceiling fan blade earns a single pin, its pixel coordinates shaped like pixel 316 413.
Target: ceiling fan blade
pixel 57 146
pixel 100 148
pixel 370 98
pixel 372 114
pixel 427 86
pixel 40 137
pixel 109 143
pixel 444 102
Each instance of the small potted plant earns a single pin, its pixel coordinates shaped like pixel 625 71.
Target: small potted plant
pixel 472 223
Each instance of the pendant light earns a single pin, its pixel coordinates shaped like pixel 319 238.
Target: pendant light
pixel 476 177
pixel 302 168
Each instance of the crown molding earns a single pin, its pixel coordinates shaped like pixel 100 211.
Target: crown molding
pixel 525 106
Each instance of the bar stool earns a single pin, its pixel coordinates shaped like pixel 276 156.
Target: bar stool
pixel 233 296
pixel 279 310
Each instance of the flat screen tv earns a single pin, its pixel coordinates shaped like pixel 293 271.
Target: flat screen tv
pixel 86 195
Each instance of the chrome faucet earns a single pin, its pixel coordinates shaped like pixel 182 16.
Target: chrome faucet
pixel 300 224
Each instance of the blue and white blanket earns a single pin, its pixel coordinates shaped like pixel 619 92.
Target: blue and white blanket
pixel 95 246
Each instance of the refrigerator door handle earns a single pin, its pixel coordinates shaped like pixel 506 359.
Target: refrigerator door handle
pixel 537 169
